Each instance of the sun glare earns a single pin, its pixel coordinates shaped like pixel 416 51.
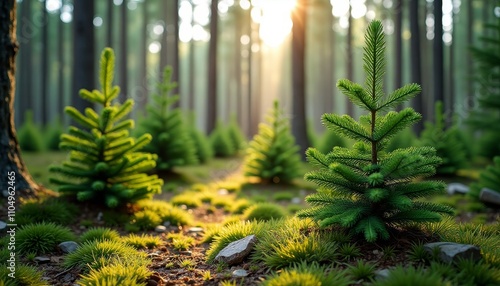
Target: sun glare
pixel 275 20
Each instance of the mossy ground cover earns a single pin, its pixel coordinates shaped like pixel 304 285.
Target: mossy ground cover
pixel 288 249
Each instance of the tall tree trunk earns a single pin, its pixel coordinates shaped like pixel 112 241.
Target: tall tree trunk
pixel 124 50
pixel 212 68
pixel 60 62
pixel 109 28
pixel 398 44
pixel 329 75
pixel 299 18
pixel 175 62
pixel 470 65
pixel 451 72
pixel 349 61
pixel 143 76
pixel 15 177
pixel 163 42
pixel 192 54
pixel 26 34
pixel 44 67
pixel 83 52
pixel 416 59
pixel 438 68
pixel 237 65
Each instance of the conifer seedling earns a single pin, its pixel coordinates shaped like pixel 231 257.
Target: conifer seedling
pixel 104 164
pixel 171 141
pixel 365 189
pixel 272 154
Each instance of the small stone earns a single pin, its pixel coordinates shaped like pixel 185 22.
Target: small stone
pixel 376 252
pixel 296 200
pixel 41 259
pixel 195 229
pixel 186 252
pixel 457 188
pixel 99 216
pixel 240 273
pixel 167 223
pixel 382 274
pixel 68 246
pixel 151 282
pixel 2 224
pixel 450 252
pixel 236 251
pixel 160 228
pixel 490 196
pixel 222 192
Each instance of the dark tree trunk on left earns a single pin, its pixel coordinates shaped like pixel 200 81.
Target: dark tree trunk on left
pixel 298 76
pixel 10 160
pixel 83 52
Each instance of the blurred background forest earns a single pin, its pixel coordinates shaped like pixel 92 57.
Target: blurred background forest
pixel 428 42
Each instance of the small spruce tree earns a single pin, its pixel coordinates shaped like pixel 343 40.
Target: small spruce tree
pixel 236 135
pixel 272 154
pixel 171 141
pixel 202 145
pixel 29 135
pixel 104 164
pixel 365 189
pixel 221 141
pixel 486 115
pixel 447 142
pixel 489 178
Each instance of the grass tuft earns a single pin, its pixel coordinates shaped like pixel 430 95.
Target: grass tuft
pixel 24 275
pixel 100 234
pixel 95 254
pixel 142 241
pixel 264 212
pixel 308 275
pixel 48 210
pixel 41 238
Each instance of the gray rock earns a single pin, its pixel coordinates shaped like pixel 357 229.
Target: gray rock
pixel 41 259
pixel 296 200
pixel 490 196
pixel 2 224
pixel 240 273
pixel 450 251
pixel 160 228
pixel 99 216
pixel 68 246
pixel 382 274
pixel 195 229
pixel 167 223
pixel 457 188
pixel 236 251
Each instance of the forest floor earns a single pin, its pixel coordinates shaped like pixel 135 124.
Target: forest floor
pixel 189 267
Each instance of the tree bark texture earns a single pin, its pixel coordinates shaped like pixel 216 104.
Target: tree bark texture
pixel 298 76
pixel 10 158
pixel 83 52
pixel 416 61
pixel 212 69
pixel 438 65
